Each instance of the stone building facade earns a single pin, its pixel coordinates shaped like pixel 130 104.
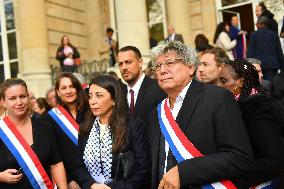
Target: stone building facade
pixel 40 24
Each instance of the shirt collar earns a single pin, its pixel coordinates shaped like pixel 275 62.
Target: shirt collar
pixel 137 85
pixel 182 94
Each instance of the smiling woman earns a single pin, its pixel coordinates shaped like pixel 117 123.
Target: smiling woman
pixel 69 113
pixel 26 144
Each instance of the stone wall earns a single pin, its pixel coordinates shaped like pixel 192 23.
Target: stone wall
pixel 66 17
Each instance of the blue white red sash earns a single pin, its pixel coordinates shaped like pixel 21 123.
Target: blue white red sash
pixel 24 155
pixel 180 145
pixel 267 185
pixel 66 122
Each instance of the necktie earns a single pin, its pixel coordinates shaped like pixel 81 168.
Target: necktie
pixel 131 101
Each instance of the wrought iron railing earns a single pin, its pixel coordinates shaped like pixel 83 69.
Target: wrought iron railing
pixel 85 68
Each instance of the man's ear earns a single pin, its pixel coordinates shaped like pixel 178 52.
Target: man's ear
pixel 141 62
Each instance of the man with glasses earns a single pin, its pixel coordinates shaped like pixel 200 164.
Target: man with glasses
pixel 196 135
pixel 143 93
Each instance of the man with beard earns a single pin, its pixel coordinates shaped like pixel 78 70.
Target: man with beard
pixel 143 93
pixel 211 64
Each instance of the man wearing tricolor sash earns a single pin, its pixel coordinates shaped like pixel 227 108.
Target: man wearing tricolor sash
pixel 197 136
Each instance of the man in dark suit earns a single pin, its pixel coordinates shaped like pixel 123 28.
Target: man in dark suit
pixel 143 93
pixel 265 46
pixel 207 115
pixel 173 36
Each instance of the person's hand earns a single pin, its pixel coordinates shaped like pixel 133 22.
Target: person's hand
pixel 243 32
pixel 8 177
pixel 170 180
pixel 73 185
pixel 99 186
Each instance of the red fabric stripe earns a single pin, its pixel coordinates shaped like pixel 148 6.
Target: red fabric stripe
pixel 184 140
pixel 188 145
pixel 69 117
pixel 228 184
pixel 30 152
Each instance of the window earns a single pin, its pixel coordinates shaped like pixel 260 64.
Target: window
pixel 8 42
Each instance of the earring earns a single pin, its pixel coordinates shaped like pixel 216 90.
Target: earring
pixel 113 103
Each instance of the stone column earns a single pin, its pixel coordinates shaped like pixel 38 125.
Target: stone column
pixel 32 43
pixel 178 15
pixel 95 27
pixel 132 25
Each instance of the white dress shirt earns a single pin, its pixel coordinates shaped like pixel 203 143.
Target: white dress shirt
pixel 135 88
pixel 175 111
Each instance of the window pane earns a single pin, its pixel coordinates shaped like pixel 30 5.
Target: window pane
pixel 2 78
pixel 9 13
pixel 1 50
pixel 12 45
pixel 232 2
pixel 14 69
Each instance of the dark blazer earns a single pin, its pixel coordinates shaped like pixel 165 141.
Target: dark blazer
pixel 150 94
pixel 265 46
pixel 263 121
pixel 137 143
pixel 67 148
pixel 211 119
pixel 61 57
pixel 178 37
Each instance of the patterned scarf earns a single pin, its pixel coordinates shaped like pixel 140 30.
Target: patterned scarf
pixel 98 154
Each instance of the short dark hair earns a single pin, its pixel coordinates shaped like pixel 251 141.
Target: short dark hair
pixel 108 30
pixel 131 48
pixel 221 56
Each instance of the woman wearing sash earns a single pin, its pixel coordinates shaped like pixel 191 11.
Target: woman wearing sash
pixel 263 121
pixel 71 107
pixel 109 139
pixel 29 156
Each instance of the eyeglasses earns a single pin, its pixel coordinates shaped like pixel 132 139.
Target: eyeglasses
pixel 168 63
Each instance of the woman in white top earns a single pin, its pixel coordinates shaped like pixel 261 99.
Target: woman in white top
pixel 222 39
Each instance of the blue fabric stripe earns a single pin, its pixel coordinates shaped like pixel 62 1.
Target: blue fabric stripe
pixel 207 187
pixel 63 127
pixel 176 153
pixel 19 159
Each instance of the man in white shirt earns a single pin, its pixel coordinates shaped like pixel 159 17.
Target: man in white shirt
pixel 194 116
pixel 143 93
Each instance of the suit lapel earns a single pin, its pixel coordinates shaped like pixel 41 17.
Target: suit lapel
pixel 189 103
pixel 141 94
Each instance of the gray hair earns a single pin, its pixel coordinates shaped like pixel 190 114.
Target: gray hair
pixel 187 54
pixel 49 90
pixel 253 61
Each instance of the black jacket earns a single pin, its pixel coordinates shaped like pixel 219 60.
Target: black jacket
pixel 262 116
pixel 149 95
pixel 137 143
pixel 211 119
pixel 61 57
pixel 272 24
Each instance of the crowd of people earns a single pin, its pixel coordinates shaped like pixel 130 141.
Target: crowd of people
pixel 195 119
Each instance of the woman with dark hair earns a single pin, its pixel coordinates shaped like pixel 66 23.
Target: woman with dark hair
pixel 262 118
pixel 71 107
pixel 41 106
pixel 29 157
pixel 202 43
pixel 113 149
pixel 67 55
pixel 222 39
